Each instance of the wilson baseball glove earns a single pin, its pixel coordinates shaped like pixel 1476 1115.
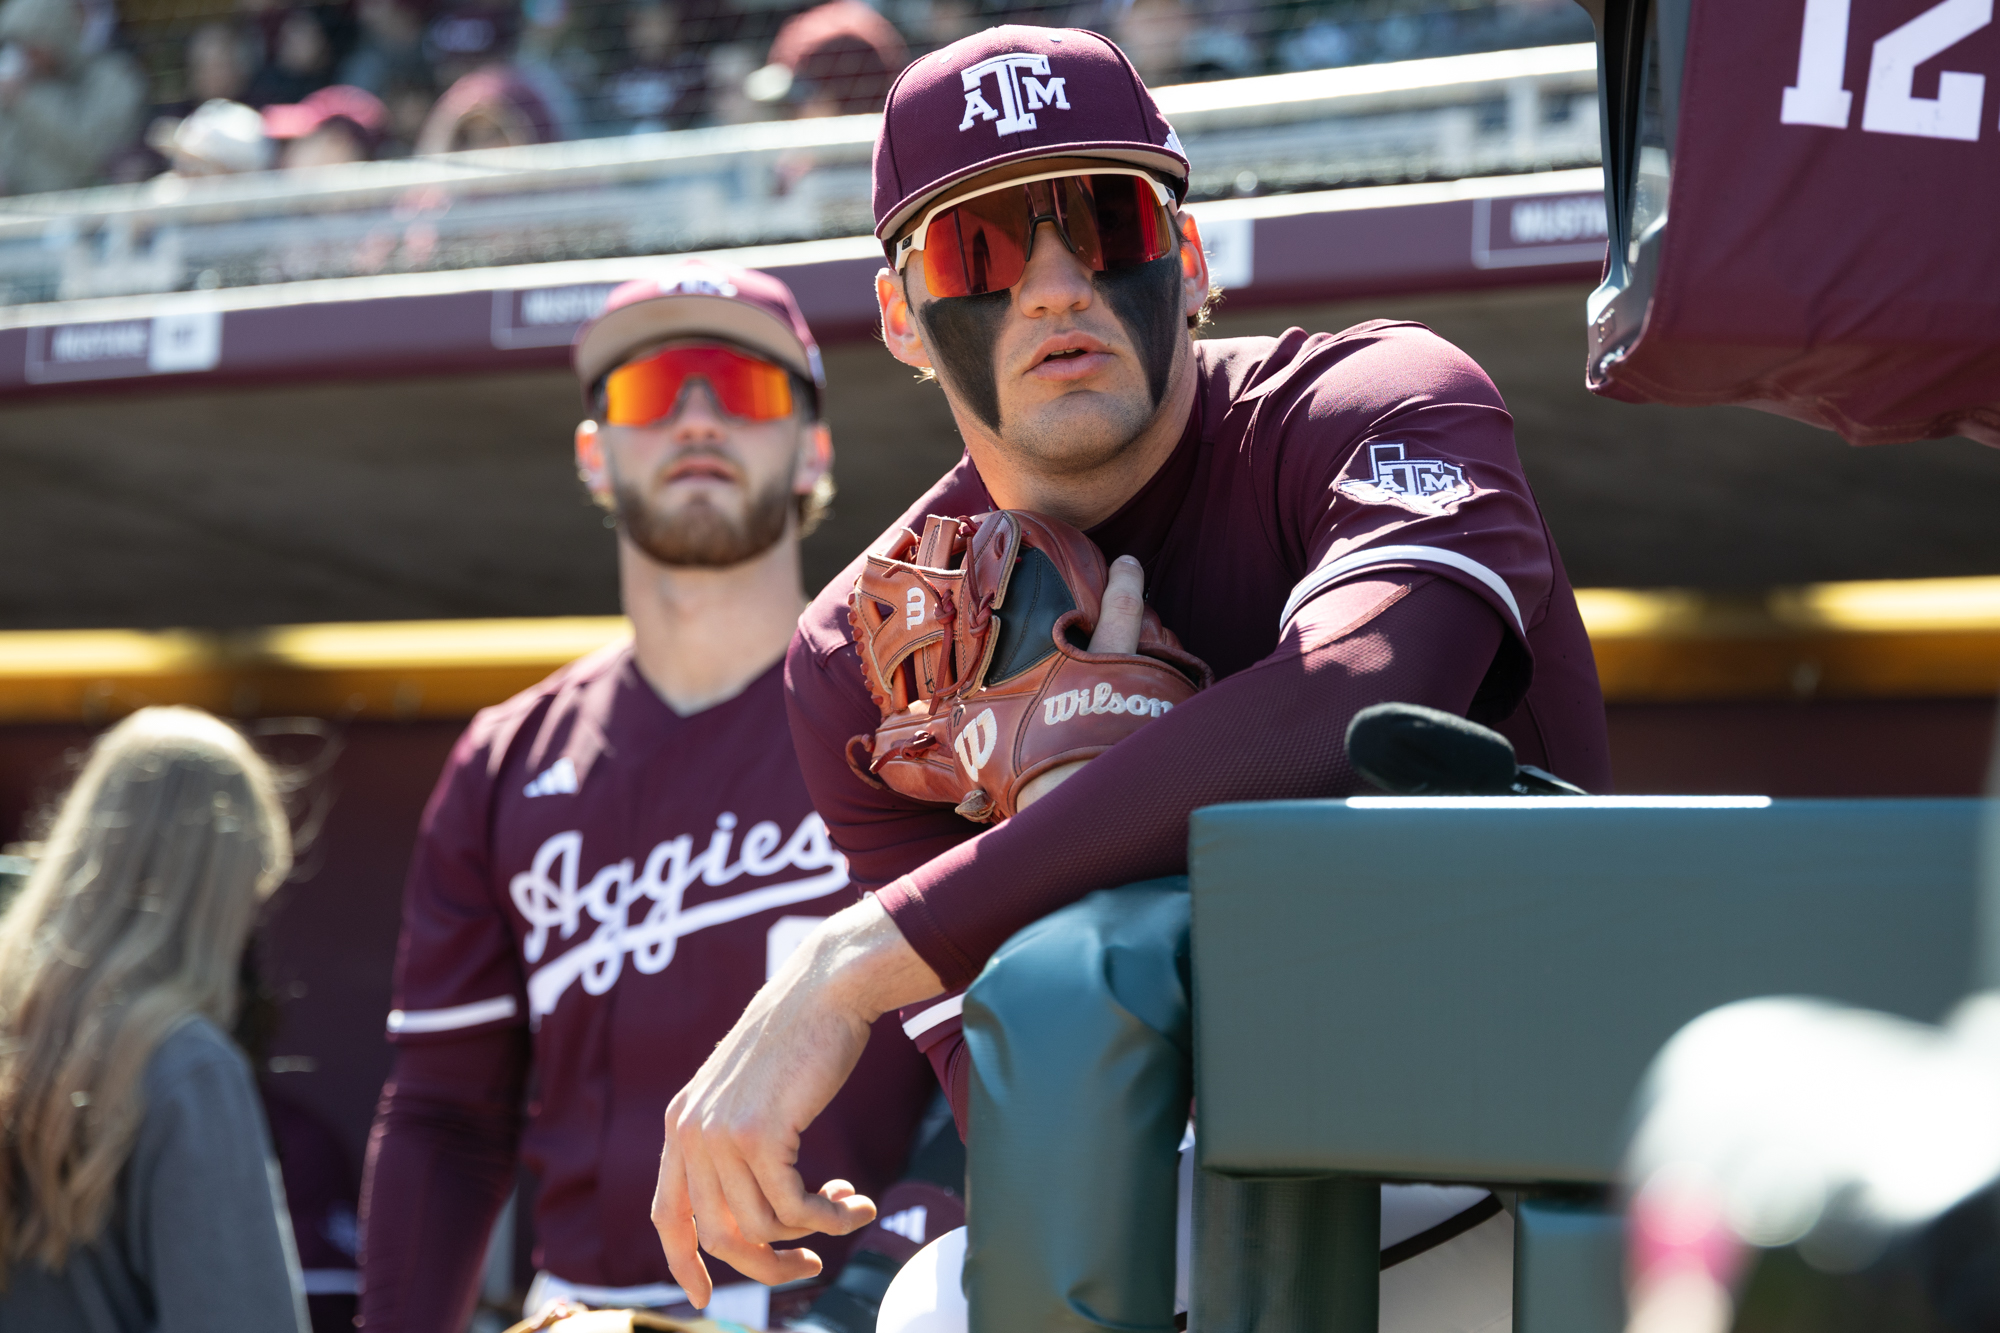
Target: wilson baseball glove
pixel 973 639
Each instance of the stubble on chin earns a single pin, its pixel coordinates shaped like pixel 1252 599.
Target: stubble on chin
pixel 697 535
pixel 1076 433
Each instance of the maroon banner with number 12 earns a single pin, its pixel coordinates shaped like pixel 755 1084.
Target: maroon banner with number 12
pixel 1832 241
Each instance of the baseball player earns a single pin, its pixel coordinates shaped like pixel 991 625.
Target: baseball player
pixel 614 860
pixel 1327 521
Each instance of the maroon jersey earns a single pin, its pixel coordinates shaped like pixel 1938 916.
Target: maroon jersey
pixel 1311 463
pixel 622 879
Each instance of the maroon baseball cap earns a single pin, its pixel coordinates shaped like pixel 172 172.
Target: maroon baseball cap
pixel 1010 94
pixel 340 101
pixel 843 52
pixel 699 298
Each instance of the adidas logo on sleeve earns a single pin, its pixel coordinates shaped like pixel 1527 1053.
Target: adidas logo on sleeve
pixel 558 779
pixel 909 1224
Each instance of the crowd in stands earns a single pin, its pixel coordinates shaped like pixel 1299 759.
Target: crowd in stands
pixel 86 98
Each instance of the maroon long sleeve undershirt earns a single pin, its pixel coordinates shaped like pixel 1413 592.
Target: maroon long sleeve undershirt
pixel 1274 731
pixel 441 1161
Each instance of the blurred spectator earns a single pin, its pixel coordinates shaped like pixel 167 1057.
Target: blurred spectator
pixel 837 59
pixel 548 61
pixel 334 125
pixel 663 85
pixel 1154 36
pixel 219 139
pixel 301 60
pixel 1318 43
pixel 471 50
pixel 727 69
pixel 1219 51
pixel 625 66
pixel 218 65
pixel 408 99
pixel 1412 36
pixel 389 47
pixel 468 38
pixel 1515 23
pixel 931 24
pixel 489 108
pixel 63 112
pixel 139 1190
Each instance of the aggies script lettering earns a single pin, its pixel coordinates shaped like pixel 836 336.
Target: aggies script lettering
pixel 550 898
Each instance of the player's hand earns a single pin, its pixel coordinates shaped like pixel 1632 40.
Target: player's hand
pixel 728 1179
pixel 1118 617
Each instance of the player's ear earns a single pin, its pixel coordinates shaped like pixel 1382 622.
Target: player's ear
pixel 815 459
pixel 590 462
pixel 899 322
pixel 1194 265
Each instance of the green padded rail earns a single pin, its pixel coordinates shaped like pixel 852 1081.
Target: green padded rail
pixel 1467 989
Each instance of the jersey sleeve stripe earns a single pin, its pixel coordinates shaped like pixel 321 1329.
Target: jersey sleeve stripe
pixel 413 1021
pixel 941 1012
pixel 1369 557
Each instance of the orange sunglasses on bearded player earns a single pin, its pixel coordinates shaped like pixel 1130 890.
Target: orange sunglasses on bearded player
pixel 745 387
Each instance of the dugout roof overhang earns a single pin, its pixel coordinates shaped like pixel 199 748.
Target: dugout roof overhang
pixel 396 446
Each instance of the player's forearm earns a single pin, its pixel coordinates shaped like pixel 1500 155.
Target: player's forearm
pixel 860 963
pixel 1276 731
pixel 441 1163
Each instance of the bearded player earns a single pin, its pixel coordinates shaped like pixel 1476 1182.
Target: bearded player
pixel 1328 521
pixel 613 859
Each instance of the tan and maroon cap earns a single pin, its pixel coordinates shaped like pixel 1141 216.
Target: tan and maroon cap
pixel 699 298
pixel 1011 94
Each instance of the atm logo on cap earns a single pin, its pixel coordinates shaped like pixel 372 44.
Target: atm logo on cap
pixel 1024 87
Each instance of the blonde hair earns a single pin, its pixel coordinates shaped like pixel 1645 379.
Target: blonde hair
pixel 133 920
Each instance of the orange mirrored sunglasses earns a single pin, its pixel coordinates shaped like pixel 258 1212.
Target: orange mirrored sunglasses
pixel 980 242
pixel 746 387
